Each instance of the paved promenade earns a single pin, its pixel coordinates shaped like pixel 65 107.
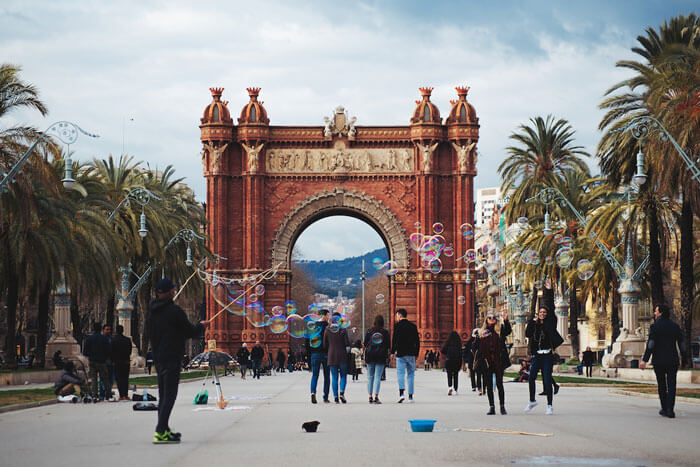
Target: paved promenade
pixel 265 429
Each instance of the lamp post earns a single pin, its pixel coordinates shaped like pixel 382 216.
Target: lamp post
pixel 363 277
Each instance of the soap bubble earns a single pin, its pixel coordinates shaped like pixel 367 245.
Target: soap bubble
pixel 449 251
pixel 277 310
pixel 417 225
pixel 255 314
pixel 390 268
pixel 260 289
pixel 296 327
pixel 523 222
pixel 278 324
pixel 311 325
pixel 253 298
pixel 548 260
pixel 558 238
pixel 344 322
pixel 585 270
pixel 379 298
pixel 291 307
pixel 438 227
pixel 435 266
pixel 316 341
pixel 334 327
pixel 448 287
pixel 314 308
pixel 377 338
pixel 567 242
pixel 377 263
pixel 564 256
pixel 467 231
pixel 416 241
pixel 461 300
pixel 470 255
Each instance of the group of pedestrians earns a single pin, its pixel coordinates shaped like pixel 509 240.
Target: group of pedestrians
pixel 431 359
pixel 109 360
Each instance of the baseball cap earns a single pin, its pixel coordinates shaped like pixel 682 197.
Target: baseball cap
pixel 164 285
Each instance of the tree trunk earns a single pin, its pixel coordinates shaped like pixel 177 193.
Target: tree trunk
pixel 656 280
pixel 76 319
pixel 687 285
pixel 615 311
pixel 11 339
pixel 42 325
pixel 573 318
pixel 109 312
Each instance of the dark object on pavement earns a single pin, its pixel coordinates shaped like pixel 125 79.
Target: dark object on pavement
pixel 139 397
pixel 310 427
pixel 145 406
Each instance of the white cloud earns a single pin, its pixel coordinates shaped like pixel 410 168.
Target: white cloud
pixel 155 62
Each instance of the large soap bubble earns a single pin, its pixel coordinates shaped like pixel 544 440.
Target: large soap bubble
pixel 584 269
pixel 523 222
pixel 278 324
pixel 467 231
pixel 296 326
pixel 564 256
pixel 380 298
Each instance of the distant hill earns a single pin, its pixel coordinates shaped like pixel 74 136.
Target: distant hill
pixel 332 276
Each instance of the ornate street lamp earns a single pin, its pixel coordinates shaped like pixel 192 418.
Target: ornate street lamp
pixel 142 196
pixel 640 177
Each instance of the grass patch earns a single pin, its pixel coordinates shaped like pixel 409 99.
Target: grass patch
pixel 152 380
pixel 23 396
pixel 682 392
pixel 584 381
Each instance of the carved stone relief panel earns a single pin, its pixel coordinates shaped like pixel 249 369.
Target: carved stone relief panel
pixel 340 160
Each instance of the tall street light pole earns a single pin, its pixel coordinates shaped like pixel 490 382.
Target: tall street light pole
pixel 363 277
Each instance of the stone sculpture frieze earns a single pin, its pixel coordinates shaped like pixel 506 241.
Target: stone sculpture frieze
pixel 344 160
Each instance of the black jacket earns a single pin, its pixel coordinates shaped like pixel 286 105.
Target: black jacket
pixel 97 348
pixel 405 340
pixel 121 349
pixel 243 355
pixel 168 327
pixel 319 348
pixel 377 353
pixel 547 331
pixel 664 334
pixel 257 353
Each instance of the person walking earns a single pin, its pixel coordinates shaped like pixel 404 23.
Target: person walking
pixel 377 344
pixel 587 359
pixel 426 360
pixel 256 357
pixel 243 356
pixel 478 369
pixel 493 357
pixel 97 349
pixel 318 358
pixel 405 345
pixel 665 338
pixel 336 342
pixel 543 339
pixel 452 350
pixel 468 357
pixel 121 356
pixel 281 359
pixel 149 361
pixel 436 359
pixel 168 327
pixel 356 359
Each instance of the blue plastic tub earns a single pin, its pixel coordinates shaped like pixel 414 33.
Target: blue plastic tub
pixel 422 426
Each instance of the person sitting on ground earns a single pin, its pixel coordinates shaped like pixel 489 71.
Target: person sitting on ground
pixel 68 383
pixel 524 372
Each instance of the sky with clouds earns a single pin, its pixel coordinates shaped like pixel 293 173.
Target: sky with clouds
pixel 138 73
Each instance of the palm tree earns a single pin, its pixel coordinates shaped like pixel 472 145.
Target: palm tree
pixel 665 85
pixel 544 152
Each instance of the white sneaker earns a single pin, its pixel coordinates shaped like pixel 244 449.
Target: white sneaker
pixel 549 410
pixel 530 406
pixel 455 393
pixel 410 400
pixel 449 392
pixel 401 399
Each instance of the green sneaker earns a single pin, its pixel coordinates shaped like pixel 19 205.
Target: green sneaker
pixel 175 434
pixel 165 438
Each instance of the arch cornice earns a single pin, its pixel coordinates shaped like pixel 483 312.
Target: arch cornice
pixel 339 199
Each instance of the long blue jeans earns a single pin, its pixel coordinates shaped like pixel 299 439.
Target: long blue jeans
pixel 257 362
pixel 405 370
pixel 374 377
pixel 342 371
pixel 319 359
pixel 541 362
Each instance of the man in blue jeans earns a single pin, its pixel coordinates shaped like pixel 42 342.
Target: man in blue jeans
pixel 405 344
pixel 319 357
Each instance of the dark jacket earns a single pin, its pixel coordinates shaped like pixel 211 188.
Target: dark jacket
pixel 257 353
pixel 493 354
pixel 97 348
pixel 405 340
pixel 664 334
pixel 453 355
pixel 168 327
pixel 467 354
pixel 320 349
pixel 66 378
pixel 242 356
pixel 336 344
pixel 377 353
pixel 121 349
pixel 588 357
pixel 542 336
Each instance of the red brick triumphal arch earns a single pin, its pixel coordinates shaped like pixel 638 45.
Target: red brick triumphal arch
pixel 266 184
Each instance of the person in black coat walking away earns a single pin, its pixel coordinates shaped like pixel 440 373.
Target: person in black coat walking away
pixel 587 360
pixel 243 355
pixel 377 344
pixel 493 357
pixel 121 356
pixel 98 349
pixel 468 357
pixel 452 350
pixel 543 339
pixel 281 359
pixel 405 344
pixel 665 338
pixel 256 357
pixel 168 327
pixel 478 368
